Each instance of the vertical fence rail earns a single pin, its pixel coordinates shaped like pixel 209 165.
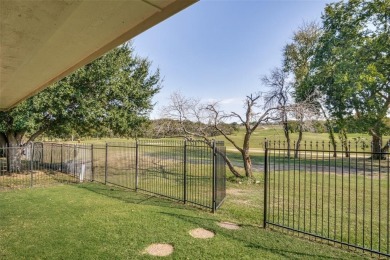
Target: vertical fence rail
pixel 136 164
pixel 92 165
pixel 61 159
pixel 265 213
pixel 106 165
pixel 185 172
pixel 213 178
pixel 344 200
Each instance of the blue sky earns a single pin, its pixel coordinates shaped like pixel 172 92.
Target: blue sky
pixel 218 50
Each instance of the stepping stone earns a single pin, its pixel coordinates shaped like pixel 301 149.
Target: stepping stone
pixel 228 225
pixel 201 233
pixel 159 249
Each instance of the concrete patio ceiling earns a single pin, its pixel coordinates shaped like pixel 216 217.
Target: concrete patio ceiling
pixel 43 41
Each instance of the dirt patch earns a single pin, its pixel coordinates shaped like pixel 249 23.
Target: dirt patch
pixel 201 233
pixel 240 202
pixel 21 175
pixel 233 191
pixel 159 249
pixel 229 225
pixel 253 150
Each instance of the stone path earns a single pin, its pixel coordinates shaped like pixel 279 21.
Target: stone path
pixel 201 233
pixel 167 249
pixel 159 249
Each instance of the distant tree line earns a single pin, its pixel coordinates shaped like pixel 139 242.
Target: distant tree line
pixel 166 127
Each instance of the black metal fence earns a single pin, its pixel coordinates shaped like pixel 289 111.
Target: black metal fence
pixel 42 164
pixel 344 200
pixel 188 171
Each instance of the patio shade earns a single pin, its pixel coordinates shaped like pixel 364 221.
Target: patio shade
pixel 43 41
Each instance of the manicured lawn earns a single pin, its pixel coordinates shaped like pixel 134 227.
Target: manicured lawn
pixel 92 221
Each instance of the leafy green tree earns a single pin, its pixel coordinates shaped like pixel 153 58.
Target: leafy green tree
pixel 352 64
pixel 298 55
pixel 110 95
pixel 297 58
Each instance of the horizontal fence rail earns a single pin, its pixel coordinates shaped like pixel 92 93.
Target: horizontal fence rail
pixel 189 171
pixel 343 199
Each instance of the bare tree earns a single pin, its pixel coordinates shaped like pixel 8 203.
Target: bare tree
pixel 305 113
pixel 253 117
pixel 184 110
pixel 209 115
pixel 279 96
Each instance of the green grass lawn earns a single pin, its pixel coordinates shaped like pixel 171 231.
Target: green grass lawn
pixel 92 221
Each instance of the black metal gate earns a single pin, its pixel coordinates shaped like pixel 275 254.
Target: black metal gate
pixel 190 171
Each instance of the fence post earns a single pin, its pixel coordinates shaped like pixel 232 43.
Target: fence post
pixel 31 148
pixel 51 156
pixel 214 206
pixel 31 163
pixel 42 156
pixel 265 183
pixel 61 159
pixel 92 168
pixel 74 160
pixel 105 165
pixel 185 172
pixel 136 165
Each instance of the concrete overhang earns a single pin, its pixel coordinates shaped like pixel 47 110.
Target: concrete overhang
pixel 43 41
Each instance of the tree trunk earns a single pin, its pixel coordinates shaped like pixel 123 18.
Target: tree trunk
pixel 331 132
pixel 3 140
pixel 3 144
pixel 245 155
pixel 288 139
pixel 247 163
pixel 230 165
pixel 385 150
pixel 14 151
pixel 377 148
pixel 344 142
pixel 14 159
pixel 332 137
pixel 14 154
pixel 298 144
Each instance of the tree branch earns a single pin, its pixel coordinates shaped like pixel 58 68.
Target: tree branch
pixel 35 135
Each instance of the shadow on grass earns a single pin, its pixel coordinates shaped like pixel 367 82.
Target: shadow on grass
pixel 131 196
pixel 249 236
pixel 259 238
